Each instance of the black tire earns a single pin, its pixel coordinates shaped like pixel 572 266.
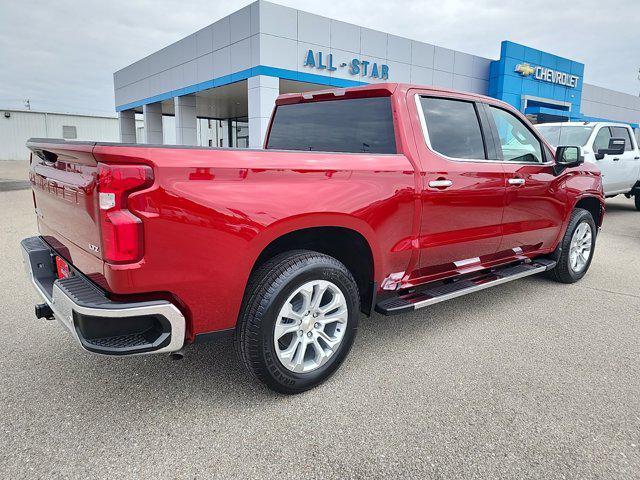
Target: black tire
pixel 637 200
pixel 563 271
pixel 269 287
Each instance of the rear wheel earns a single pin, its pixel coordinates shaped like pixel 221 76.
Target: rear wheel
pixel 577 245
pixel 637 199
pixel 298 321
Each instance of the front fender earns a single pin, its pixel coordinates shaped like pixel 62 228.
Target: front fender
pixel 579 185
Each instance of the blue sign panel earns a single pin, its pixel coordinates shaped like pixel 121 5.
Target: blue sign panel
pixel 534 81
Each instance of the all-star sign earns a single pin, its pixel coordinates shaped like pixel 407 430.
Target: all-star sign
pixel 547 75
pixel 356 66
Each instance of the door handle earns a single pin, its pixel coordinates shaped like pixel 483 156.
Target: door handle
pixel 516 181
pixel 441 183
pixel 636 158
pixel 616 159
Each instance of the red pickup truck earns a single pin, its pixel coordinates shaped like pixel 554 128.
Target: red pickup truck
pixel 385 197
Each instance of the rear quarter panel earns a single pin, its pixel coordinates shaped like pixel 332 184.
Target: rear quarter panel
pixel 211 212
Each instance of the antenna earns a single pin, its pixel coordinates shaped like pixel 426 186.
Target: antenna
pixel 27 104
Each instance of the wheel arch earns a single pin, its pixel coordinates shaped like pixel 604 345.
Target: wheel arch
pixel 594 205
pixel 340 237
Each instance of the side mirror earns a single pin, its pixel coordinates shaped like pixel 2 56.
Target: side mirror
pixel 567 157
pixel 616 147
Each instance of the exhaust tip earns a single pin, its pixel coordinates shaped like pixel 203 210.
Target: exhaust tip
pixel 44 311
pixel 177 355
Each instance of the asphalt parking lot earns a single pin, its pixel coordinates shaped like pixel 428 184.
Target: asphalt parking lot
pixel 532 379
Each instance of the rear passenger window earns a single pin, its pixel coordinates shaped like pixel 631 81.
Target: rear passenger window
pixel 621 132
pixel 453 127
pixel 358 125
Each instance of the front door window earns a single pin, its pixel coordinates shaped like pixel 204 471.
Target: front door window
pixel 517 142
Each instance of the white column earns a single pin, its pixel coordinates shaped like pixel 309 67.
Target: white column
pixel 186 120
pixel 152 113
pixel 127 124
pixel 262 94
pixel 222 133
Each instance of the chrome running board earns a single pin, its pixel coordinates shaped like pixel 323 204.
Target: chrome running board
pixel 437 292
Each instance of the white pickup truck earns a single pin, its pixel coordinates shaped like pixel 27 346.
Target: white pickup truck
pixel 601 144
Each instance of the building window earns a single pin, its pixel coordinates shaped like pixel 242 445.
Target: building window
pixel 69 132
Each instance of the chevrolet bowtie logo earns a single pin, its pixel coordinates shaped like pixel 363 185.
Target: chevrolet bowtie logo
pixel 525 69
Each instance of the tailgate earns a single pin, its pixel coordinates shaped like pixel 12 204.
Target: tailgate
pixel 63 177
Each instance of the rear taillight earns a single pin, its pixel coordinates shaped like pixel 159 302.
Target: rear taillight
pixel 121 230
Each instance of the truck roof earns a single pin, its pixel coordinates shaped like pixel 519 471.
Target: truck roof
pixel 583 124
pixel 370 90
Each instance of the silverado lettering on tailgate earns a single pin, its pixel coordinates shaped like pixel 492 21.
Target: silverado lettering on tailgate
pixel 65 191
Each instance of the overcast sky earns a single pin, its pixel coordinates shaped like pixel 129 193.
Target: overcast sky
pixel 62 54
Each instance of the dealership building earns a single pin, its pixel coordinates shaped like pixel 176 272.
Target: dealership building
pixel 218 85
pixel 18 125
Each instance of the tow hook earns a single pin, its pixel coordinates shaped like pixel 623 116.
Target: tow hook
pixel 44 311
pixel 177 355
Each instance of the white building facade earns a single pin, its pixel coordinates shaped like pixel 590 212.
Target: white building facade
pixel 218 85
pixel 17 126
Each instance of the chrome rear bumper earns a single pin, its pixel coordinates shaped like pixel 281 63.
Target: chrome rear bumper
pixel 99 324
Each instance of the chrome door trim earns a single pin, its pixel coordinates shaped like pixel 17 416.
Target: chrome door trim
pixel 427 140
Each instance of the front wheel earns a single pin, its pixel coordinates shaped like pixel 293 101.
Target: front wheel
pixel 298 320
pixel 637 199
pixel 578 245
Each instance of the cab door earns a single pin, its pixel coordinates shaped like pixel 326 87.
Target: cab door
pixel 463 189
pixel 614 174
pixel 626 164
pixel 534 203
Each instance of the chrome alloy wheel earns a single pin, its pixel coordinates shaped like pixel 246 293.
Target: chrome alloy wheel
pixel 580 248
pixel 310 326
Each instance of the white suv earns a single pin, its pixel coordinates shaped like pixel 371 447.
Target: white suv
pixel 620 167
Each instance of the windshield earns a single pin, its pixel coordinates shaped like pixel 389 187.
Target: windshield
pixel 574 135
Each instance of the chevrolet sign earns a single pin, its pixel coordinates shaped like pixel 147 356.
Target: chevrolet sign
pixel 547 75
